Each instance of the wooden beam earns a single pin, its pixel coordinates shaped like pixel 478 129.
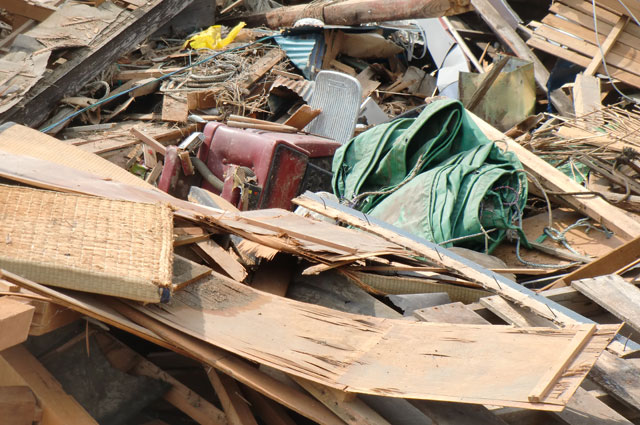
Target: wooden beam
pixel 262 66
pixel 180 396
pixel 269 411
pixel 19 367
pixel 230 396
pixel 150 141
pixel 607 264
pixel 129 29
pixel 218 258
pixel 15 321
pixel 611 39
pixel 586 95
pixel 352 410
pixel 354 12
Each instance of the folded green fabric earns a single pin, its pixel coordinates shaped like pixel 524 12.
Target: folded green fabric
pixel 436 175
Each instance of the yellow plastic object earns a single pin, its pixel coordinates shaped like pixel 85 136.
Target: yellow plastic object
pixel 211 38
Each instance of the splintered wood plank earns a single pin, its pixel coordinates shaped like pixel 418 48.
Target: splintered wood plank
pixel 302 116
pixel 450 313
pixel 19 367
pixel 18 406
pixel 614 294
pixel 180 396
pixel 565 358
pixel 359 353
pixel 619 377
pixel 218 258
pixel 351 410
pixel 130 320
pixel 15 321
pixel 582 409
pixel 231 398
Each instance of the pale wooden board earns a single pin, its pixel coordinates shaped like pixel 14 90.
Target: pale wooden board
pixel 17 405
pixel 360 354
pixel 614 294
pixel 450 313
pixel 15 320
pixel 19 367
pixel 20 140
pixel 582 409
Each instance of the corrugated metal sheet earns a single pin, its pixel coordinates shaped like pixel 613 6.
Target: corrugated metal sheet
pixel 305 51
pixel 304 88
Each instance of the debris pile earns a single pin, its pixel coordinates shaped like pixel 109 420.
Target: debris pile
pixel 354 212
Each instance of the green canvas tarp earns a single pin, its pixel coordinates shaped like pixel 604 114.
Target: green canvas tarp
pixel 437 176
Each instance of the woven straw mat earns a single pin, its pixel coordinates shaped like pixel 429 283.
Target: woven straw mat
pixel 99 245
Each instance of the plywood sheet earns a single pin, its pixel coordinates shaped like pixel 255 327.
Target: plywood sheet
pixel 479 364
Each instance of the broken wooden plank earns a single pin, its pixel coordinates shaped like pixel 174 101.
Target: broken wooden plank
pixel 19 367
pixel 565 358
pixel 515 316
pixel 141 74
pixel 262 66
pixel 127 318
pixel 185 272
pixel 216 257
pixel 302 116
pixel 174 108
pixel 586 94
pixel 619 377
pixel 607 264
pixel 291 348
pixel 128 30
pixel 232 401
pixel 150 141
pixel 15 321
pixel 615 295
